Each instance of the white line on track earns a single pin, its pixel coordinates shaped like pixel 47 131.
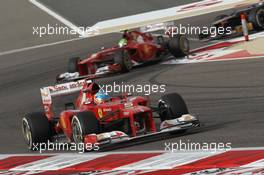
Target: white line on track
pixel 57 16
pixel 38 46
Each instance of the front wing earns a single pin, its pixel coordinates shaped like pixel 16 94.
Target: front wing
pixel 121 140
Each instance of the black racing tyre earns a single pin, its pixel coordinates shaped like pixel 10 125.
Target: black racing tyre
pixel 84 123
pixel 122 58
pixel 256 17
pixel 36 129
pixel 172 106
pixel 73 64
pixel 179 46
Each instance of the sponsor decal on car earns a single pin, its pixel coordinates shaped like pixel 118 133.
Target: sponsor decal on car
pixel 107 109
pixel 100 113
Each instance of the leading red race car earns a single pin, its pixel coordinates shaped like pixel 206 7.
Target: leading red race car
pixel 96 118
pixel 134 48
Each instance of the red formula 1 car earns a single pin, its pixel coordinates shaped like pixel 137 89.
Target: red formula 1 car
pixel 96 118
pixel 134 48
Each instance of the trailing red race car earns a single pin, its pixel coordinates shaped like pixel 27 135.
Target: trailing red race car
pixel 96 118
pixel 134 48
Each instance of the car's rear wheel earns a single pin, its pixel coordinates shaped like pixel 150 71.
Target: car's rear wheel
pixel 172 106
pixel 84 123
pixel 179 46
pixel 36 129
pixel 256 16
pixel 73 64
pixel 122 58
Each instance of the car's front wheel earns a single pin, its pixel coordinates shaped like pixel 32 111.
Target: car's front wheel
pixel 122 58
pixel 84 123
pixel 172 106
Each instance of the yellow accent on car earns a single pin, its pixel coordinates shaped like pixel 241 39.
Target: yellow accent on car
pixel 239 29
pixel 62 123
pixel 100 112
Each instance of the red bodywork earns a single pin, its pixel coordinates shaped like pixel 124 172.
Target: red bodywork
pixel 140 46
pixel 118 108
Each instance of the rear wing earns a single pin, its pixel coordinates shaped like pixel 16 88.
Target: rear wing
pixel 61 89
pixel 159 18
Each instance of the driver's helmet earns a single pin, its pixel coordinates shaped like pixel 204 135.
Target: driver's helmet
pixel 122 42
pixel 101 97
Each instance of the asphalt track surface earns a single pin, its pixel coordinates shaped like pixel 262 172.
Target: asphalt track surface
pixel 227 96
pixel 90 13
